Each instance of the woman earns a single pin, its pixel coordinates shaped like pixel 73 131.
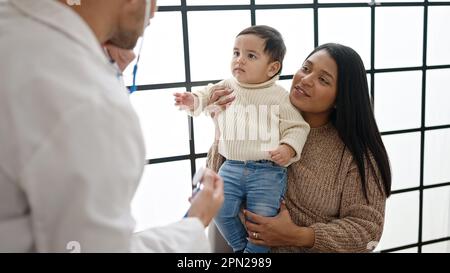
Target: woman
pixel 336 193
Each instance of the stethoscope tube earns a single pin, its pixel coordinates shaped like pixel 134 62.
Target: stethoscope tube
pixel 148 11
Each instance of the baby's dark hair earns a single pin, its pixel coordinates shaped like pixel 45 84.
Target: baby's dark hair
pixel 274 47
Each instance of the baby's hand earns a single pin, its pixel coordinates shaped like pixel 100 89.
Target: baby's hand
pixel 282 155
pixel 186 100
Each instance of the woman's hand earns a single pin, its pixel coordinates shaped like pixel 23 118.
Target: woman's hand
pixel 123 57
pixel 221 98
pixel 277 231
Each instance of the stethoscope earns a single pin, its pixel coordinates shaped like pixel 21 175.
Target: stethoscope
pixel 133 86
pixel 148 6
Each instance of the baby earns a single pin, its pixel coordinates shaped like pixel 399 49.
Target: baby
pixel 261 133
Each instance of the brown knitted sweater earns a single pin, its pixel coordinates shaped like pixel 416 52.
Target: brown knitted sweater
pixel 324 192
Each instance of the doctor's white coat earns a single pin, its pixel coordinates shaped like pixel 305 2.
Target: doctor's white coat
pixel 71 149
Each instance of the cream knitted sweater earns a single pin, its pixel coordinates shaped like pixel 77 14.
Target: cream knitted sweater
pixel 324 192
pixel 260 119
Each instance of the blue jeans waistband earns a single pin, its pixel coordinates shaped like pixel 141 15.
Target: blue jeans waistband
pixel 251 162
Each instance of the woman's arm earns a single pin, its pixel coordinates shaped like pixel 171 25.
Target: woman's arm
pixel 360 225
pixel 358 229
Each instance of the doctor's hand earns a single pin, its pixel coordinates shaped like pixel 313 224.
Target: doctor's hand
pixel 123 57
pixel 207 202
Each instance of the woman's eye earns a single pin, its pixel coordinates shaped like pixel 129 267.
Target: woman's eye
pixel 251 56
pixel 305 68
pixel 236 54
pixel 323 80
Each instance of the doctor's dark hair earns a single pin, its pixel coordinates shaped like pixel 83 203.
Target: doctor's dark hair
pixel 274 43
pixel 353 116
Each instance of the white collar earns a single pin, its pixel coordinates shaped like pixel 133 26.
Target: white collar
pixel 61 18
pixel 265 84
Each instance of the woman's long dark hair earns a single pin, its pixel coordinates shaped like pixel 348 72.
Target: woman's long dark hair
pixel 353 116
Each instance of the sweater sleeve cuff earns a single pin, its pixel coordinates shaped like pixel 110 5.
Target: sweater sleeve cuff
pixel 321 244
pixel 203 100
pixel 295 144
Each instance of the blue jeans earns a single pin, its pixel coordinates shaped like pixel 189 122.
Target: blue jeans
pixel 261 184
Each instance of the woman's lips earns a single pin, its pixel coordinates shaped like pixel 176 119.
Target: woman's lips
pixel 301 91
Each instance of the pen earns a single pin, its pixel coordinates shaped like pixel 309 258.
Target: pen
pixel 196 184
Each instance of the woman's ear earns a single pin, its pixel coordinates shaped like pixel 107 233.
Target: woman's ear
pixel 274 68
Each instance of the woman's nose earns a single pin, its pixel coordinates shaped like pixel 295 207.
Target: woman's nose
pixel 307 80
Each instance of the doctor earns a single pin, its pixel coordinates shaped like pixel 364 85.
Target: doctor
pixel 71 149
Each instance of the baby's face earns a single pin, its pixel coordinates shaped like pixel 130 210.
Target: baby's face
pixel 250 64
